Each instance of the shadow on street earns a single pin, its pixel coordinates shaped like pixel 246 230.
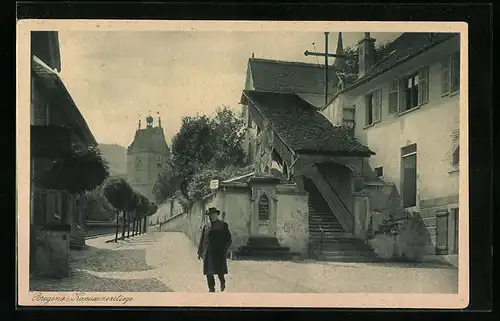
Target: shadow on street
pixel 83 281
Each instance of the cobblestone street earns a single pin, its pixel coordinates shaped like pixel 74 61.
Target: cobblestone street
pixel 165 262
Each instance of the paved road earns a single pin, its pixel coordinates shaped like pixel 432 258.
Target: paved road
pixel 159 262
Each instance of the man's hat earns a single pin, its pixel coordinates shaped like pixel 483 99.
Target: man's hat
pixel 213 210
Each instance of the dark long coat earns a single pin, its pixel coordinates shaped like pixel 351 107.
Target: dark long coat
pixel 214 242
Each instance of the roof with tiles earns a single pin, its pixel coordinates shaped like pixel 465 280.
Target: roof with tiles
pixel 406 46
pixel 291 77
pixel 301 127
pixel 151 140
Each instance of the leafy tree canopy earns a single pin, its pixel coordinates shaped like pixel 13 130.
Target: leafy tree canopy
pixel 202 144
pixel 119 193
pixel 81 170
pixel 352 57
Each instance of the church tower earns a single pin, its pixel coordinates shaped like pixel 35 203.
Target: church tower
pixel 147 157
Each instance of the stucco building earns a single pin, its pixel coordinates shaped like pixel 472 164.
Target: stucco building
pixel 56 126
pixel 147 157
pixel 406 109
pixel 384 145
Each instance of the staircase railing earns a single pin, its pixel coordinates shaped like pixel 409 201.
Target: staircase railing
pixel 338 208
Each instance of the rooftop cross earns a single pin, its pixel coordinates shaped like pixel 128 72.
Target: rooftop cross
pixel 326 55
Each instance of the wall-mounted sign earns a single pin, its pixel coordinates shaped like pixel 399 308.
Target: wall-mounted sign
pixel 214 184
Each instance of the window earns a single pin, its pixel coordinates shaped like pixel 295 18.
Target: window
pixel 379 171
pixel 409 175
pixel 138 163
pixel 373 107
pixel 264 208
pixel 158 162
pixel 349 117
pixel 450 74
pixel 414 90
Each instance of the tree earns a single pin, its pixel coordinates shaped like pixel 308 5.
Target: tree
pixel 81 170
pixel 202 143
pixel 119 194
pixel 97 208
pixel 166 184
pixel 142 210
pixel 228 129
pixel 130 213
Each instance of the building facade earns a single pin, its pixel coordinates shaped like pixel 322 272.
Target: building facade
pixel 147 157
pixel 405 107
pixel 56 126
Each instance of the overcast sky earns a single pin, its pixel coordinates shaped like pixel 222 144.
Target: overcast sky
pixel 115 77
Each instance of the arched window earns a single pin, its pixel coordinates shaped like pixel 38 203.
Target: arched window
pixel 264 208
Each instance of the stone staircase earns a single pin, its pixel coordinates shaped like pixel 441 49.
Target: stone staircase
pixel 263 248
pixel 332 242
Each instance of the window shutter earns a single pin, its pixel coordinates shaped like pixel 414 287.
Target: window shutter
pixel 455 72
pixel 402 85
pixel 377 105
pixel 423 86
pixel 455 155
pixel 393 96
pixel 445 76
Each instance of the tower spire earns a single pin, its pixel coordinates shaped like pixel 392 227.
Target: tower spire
pixel 340 60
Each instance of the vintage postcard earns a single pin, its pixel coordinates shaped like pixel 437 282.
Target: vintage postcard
pixel 242 163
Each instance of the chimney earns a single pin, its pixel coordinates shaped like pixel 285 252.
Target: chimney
pixel 366 53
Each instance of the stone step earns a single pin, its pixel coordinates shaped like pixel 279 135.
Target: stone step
pixel 332 246
pixel 325 227
pixel 264 255
pixel 322 216
pixel 348 259
pixel 272 241
pixel 349 255
pixel 323 222
pixel 251 247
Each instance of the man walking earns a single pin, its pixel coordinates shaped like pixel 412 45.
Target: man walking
pixel 214 243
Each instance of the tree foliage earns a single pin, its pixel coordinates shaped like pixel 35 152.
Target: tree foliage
pixel 118 193
pixel 352 56
pixel 97 208
pixel 83 169
pixel 228 129
pixel 202 144
pixel 167 183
